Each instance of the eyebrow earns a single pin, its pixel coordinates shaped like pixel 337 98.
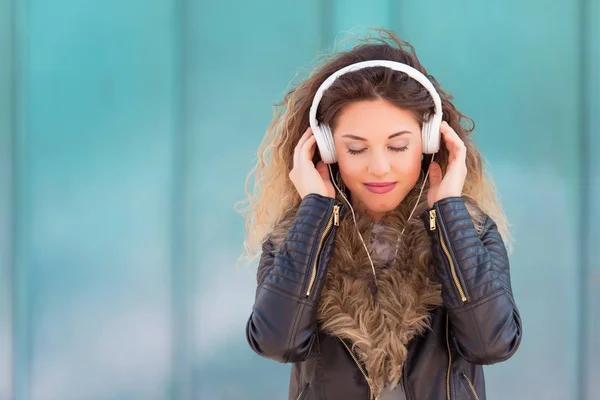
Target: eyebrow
pixel 393 135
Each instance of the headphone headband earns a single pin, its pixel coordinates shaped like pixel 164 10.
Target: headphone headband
pixel 396 66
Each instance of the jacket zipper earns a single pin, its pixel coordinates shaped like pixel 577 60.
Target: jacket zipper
pixel 334 219
pixel 449 360
pixel 359 367
pixel 302 392
pixel 470 385
pixel 433 227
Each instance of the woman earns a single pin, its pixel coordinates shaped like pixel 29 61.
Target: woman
pixel 417 309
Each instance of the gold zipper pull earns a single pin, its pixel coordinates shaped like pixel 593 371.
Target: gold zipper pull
pixel 336 215
pixel 432 220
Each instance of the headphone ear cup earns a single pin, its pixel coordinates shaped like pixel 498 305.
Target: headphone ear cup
pixel 325 143
pixel 431 135
pixel 328 135
pixel 425 136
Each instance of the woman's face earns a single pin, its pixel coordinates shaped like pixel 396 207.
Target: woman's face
pixel 379 152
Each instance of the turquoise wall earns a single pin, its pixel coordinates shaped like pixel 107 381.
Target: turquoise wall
pixel 127 129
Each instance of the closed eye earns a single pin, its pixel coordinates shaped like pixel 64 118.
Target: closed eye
pixel 396 149
pixel 356 151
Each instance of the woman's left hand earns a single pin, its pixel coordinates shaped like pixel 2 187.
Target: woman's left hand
pixel 452 183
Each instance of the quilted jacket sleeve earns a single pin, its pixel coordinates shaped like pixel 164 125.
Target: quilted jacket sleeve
pixel 476 288
pixel 283 322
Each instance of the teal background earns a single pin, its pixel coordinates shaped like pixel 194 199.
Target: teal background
pixel 127 129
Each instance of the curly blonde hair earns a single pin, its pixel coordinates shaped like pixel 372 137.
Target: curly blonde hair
pixel 273 195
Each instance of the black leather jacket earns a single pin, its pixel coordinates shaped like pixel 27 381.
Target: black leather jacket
pixel 478 324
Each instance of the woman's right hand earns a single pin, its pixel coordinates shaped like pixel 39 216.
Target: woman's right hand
pixel 304 175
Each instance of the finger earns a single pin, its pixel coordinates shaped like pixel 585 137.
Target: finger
pixel 453 142
pixel 323 171
pixel 450 136
pixel 298 149
pixel 307 134
pixel 435 174
pixel 308 149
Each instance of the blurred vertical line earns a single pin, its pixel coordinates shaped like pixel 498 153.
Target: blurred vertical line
pixel 326 21
pixel 181 271
pixel 584 206
pixel 394 7
pixel 22 351
pixel 7 270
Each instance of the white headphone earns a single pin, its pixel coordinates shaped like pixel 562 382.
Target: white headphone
pixel 431 127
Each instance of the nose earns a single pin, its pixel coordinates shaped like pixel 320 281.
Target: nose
pixel 379 165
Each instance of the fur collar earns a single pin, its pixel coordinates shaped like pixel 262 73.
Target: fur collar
pixel 378 324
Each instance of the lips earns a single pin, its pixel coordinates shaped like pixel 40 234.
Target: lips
pixel 380 187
